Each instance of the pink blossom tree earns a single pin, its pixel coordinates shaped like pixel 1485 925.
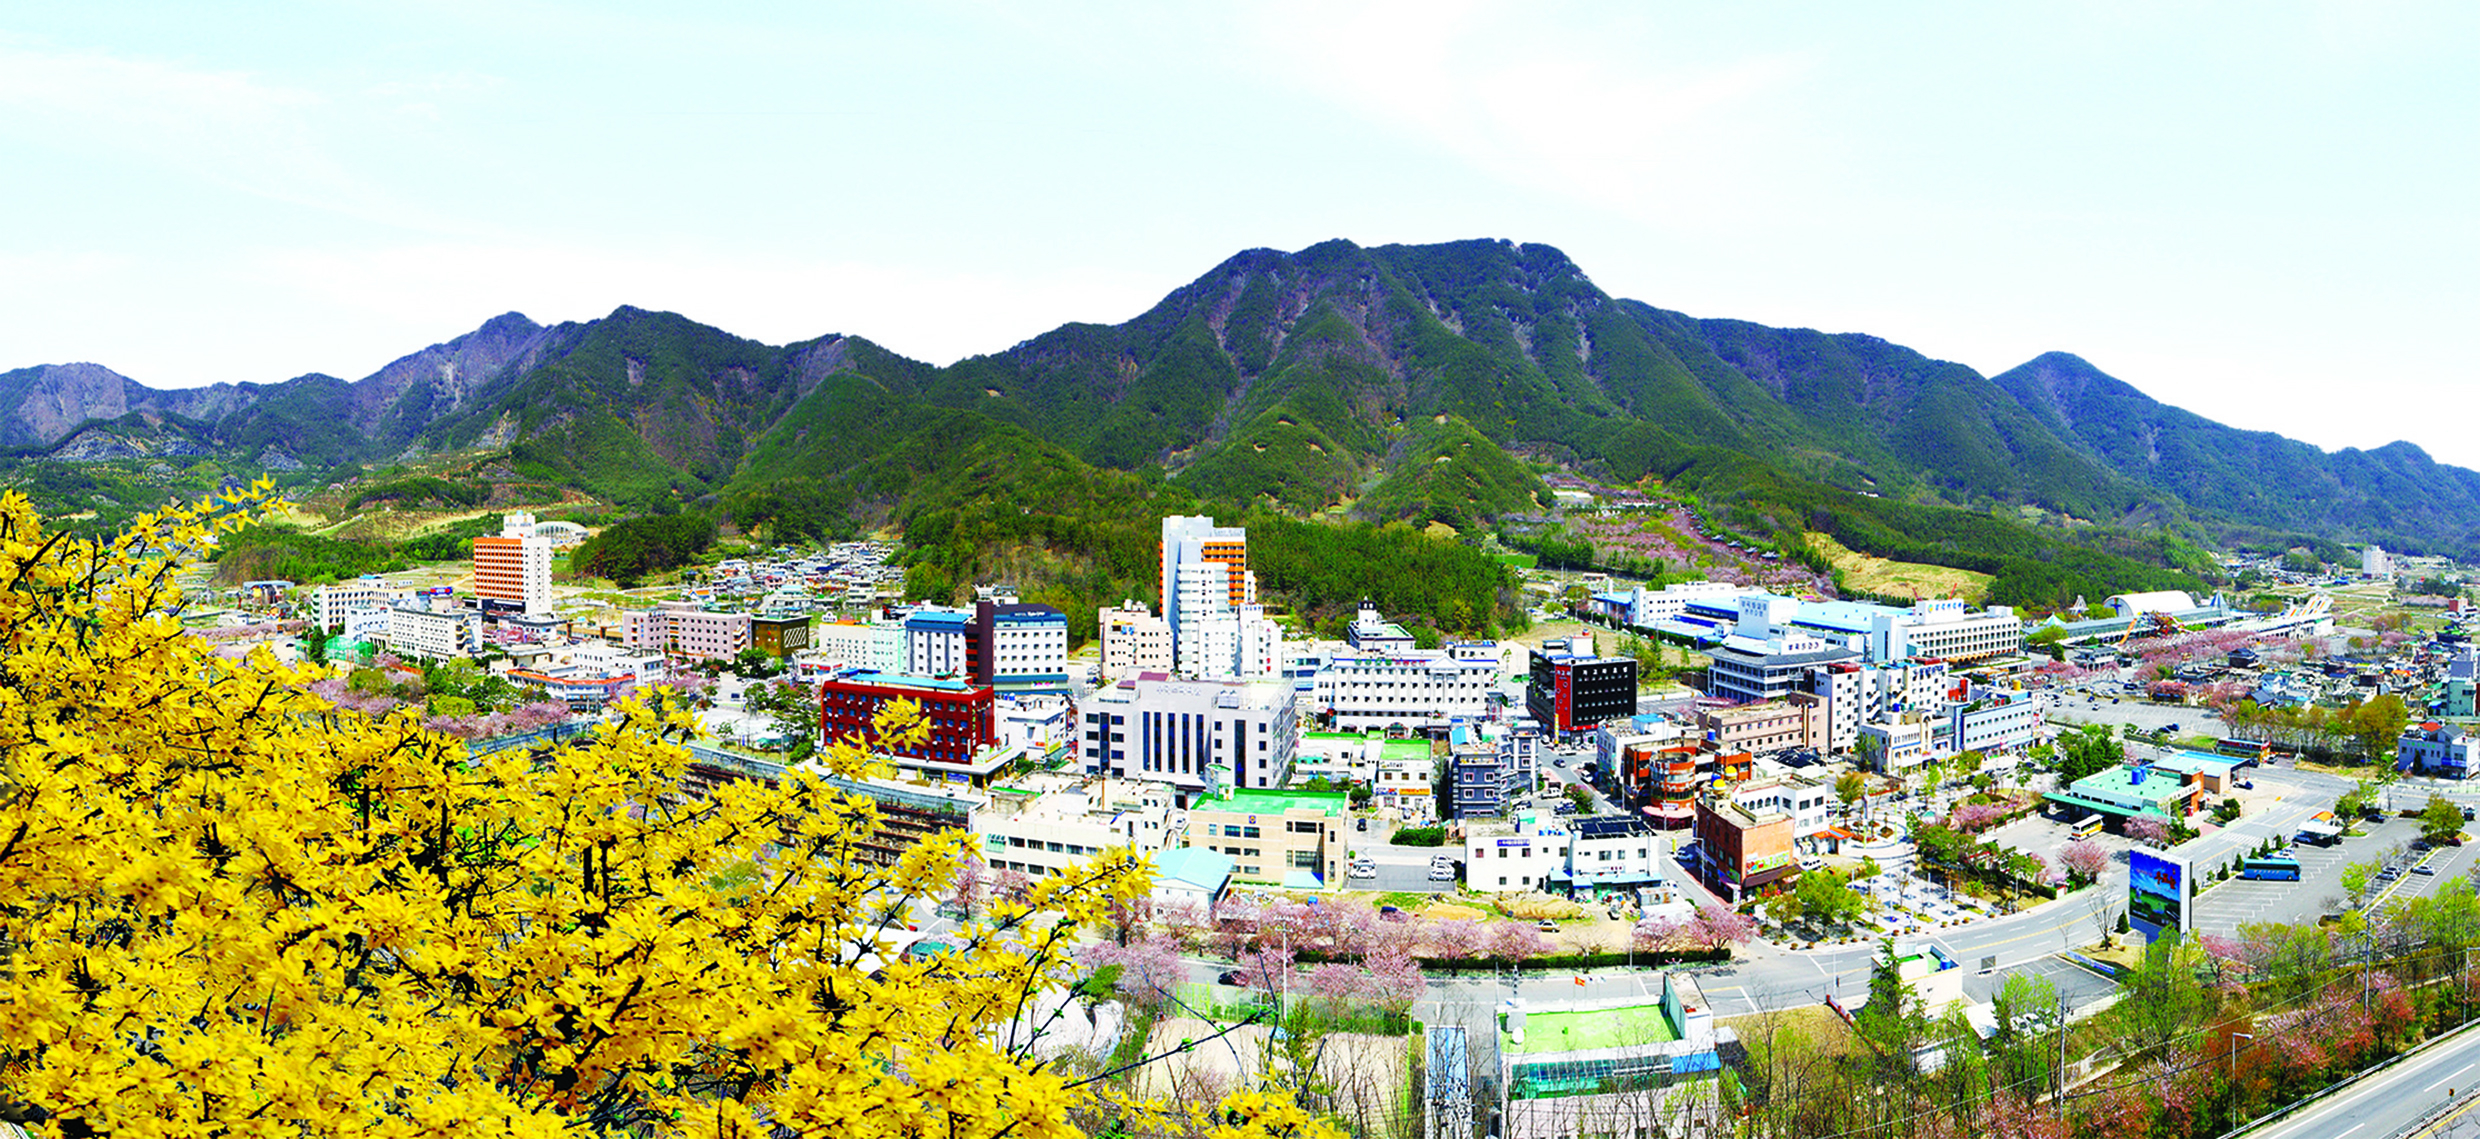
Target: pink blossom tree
pixel 966 896
pixel 2084 860
pixel 1718 927
pixel 1392 979
pixel 1337 985
pixel 1455 942
pixel 1150 970
pixel 2151 830
pixel 1657 934
pixel 1516 942
pixel 1266 967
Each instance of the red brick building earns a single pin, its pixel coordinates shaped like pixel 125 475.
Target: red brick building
pixel 961 716
pixel 1742 851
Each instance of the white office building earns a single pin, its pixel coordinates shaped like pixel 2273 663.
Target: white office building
pixel 433 635
pixel 1195 735
pixel 1134 640
pixel 329 603
pixel 877 647
pixel 1065 821
pixel 1407 691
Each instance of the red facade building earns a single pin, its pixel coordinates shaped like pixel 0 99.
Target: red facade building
pixel 961 716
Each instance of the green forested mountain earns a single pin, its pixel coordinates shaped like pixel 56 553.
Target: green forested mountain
pixel 2394 494
pixel 1411 384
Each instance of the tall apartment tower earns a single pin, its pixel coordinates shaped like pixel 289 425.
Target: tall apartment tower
pixel 1210 600
pixel 514 567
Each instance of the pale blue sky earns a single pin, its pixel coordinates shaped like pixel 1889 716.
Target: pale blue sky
pixel 2262 212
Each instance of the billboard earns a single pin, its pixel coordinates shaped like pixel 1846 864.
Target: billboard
pixel 2158 891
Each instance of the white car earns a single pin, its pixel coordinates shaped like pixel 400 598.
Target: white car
pixel 1364 870
pixel 1442 874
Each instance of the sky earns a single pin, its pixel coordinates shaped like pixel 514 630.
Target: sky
pixel 2261 212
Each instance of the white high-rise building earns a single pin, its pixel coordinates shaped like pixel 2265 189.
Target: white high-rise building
pixel 514 567
pixel 1210 602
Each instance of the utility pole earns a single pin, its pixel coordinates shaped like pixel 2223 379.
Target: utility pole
pixel 2058 1098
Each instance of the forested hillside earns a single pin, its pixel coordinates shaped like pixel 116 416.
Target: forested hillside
pixel 1417 384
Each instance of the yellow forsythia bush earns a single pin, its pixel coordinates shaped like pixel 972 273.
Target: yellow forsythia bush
pixel 229 908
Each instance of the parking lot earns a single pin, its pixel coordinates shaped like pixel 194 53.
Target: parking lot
pixel 2225 907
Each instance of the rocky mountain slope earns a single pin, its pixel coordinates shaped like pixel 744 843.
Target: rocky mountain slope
pixel 1398 381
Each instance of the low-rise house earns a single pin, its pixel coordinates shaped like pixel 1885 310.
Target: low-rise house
pixel 2432 748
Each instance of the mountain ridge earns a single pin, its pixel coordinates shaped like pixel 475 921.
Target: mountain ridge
pixel 1301 382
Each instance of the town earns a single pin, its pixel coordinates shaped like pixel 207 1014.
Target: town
pixel 1571 886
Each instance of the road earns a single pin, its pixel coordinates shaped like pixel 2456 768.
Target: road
pixel 2395 1101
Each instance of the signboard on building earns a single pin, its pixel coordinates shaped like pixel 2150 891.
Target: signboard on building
pixel 2159 889
pixel 1764 862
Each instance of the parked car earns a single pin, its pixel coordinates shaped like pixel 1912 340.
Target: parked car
pixel 1233 977
pixel 1363 870
pixel 1441 874
pixel 1546 926
pixel 1364 824
pixel 2424 870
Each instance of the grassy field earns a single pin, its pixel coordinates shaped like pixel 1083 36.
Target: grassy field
pixel 1865 574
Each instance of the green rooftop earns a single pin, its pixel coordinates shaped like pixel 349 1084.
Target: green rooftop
pixel 1262 802
pixel 1584 1031
pixel 1404 750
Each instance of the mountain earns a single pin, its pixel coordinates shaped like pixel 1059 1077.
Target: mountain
pixel 2395 493
pixel 1426 383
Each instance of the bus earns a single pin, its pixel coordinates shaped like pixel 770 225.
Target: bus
pixel 2271 869
pixel 2090 825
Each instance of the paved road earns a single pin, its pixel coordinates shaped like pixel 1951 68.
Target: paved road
pixel 2395 1100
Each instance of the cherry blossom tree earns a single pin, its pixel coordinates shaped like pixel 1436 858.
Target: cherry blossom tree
pixel 1150 970
pixel 1337 984
pixel 1657 934
pixel 1718 927
pixel 2084 860
pixel 2151 830
pixel 1392 978
pixel 1455 941
pixel 1515 942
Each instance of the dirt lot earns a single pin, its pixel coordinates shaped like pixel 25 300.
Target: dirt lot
pixel 1367 1072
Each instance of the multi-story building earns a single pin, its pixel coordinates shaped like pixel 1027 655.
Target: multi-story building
pixel 514 568
pixel 937 641
pixel 1210 601
pixel 1796 721
pixel 684 629
pixel 1809 802
pixel 1192 734
pixel 1485 776
pixel 433 634
pixel 874 646
pixel 330 603
pixel 1372 633
pixel 779 636
pixel 1134 640
pixel 1066 821
pixel 1613 853
pixel 2003 723
pixel 1294 839
pixel 1018 648
pixel 1748 669
pixel 1515 856
pixel 1407 691
pixel 1575 693
pixel 1741 852
pixel 959 716
pixel 2437 749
